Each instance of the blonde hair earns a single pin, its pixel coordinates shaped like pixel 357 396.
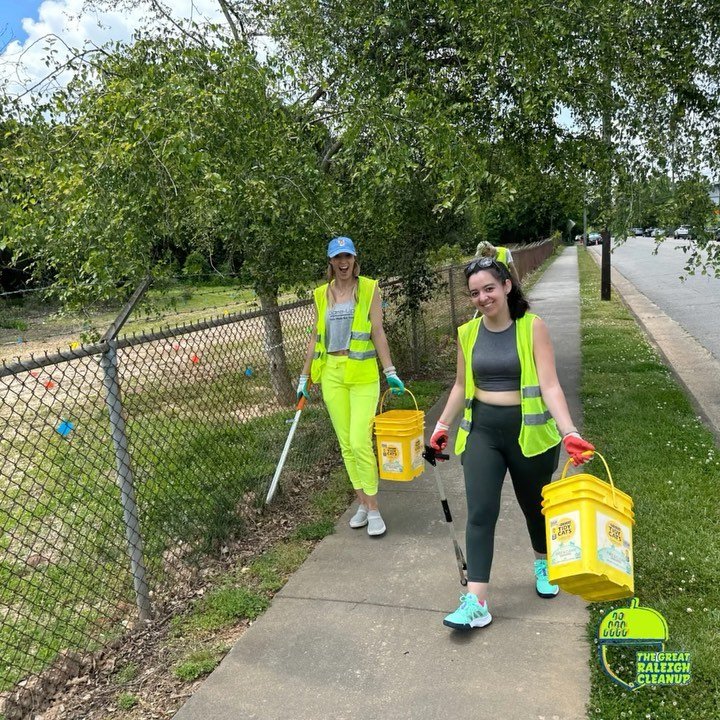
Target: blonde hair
pixel 485 249
pixel 331 278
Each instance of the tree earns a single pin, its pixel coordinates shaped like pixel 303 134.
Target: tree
pixel 172 146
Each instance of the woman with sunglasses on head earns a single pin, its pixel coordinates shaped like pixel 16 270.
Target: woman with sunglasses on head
pixel 515 415
pixel 342 357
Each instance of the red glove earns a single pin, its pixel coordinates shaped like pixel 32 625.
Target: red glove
pixel 576 448
pixel 440 436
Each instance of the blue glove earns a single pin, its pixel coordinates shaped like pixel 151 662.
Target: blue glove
pixel 397 386
pixel 302 387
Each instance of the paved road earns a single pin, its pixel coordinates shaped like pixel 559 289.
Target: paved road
pixel 694 303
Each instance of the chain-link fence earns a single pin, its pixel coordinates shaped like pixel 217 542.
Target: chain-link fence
pixel 127 462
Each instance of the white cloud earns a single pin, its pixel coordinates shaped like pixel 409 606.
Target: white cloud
pixel 24 65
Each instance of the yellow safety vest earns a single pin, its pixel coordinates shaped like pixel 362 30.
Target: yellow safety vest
pixel 362 363
pixel 538 431
pixel 501 255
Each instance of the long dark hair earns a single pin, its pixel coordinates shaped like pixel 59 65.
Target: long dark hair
pixel 517 302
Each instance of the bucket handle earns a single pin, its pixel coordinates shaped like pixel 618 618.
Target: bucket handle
pixel 382 400
pixel 607 469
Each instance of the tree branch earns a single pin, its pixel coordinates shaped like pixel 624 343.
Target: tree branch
pixel 233 28
pixel 327 158
pixel 162 11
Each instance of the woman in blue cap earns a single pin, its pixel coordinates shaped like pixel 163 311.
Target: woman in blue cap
pixel 342 357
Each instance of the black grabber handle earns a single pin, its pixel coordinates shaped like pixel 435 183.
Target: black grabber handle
pixel 432 455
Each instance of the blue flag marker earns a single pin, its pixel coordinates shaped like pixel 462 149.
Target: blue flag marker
pixel 65 428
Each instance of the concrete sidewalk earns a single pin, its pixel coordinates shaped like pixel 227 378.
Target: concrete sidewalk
pixel 357 631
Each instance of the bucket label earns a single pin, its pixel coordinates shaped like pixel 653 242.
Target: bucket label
pixel 392 457
pixel 417 449
pixel 565 542
pixel 614 546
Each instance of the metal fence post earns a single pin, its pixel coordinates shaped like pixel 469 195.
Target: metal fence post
pixel 453 314
pixel 415 340
pixel 108 362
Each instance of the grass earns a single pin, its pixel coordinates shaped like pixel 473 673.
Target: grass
pixel 221 608
pixel 198 663
pixel 193 482
pixel 10 323
pixel 661 454
pixel 127 701
pixel 127 673
pixel 273 569
pixel 165 304
pixel 315 530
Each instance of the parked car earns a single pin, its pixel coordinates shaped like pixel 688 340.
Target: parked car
pixel 649 232
pixel 657 233
pixel 594 239
pixel 683 233
pixel 637 232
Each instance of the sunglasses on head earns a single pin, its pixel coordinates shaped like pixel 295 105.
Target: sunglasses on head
pixel 484 263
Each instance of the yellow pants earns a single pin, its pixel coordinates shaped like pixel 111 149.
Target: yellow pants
pixel 352 409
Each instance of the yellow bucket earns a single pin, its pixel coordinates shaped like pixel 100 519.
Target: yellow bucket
pixel 588 524
pixel 399 437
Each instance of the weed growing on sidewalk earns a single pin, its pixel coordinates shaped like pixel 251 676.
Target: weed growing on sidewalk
pixel 661 454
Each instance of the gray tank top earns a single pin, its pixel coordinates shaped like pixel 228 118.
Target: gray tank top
pixel 338 325
pixel 495 361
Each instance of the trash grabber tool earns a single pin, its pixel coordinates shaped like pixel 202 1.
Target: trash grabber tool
pixel 432 456
pixel 273 485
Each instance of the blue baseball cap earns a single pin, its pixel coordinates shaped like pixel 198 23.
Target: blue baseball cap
pixel 341 245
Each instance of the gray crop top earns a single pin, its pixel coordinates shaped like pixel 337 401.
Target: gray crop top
pixel 495 361
pixel 338 325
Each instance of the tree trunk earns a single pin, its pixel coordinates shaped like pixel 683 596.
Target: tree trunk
pixel 274 347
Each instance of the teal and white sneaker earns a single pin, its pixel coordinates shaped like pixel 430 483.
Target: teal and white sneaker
pixel 470 614
pixel 542 586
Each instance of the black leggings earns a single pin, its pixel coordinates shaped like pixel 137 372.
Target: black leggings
pixel 492 449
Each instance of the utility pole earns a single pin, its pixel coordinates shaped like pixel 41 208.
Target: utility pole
pixel 606 115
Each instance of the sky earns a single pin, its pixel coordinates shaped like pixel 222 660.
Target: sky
pixel 25 26
pixel 12 13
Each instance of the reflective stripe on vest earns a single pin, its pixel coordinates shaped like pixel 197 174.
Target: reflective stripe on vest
pixel 362 355
pixel 361 366
pixel 538 431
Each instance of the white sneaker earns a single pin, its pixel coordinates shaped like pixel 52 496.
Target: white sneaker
pixel 360 518
pixel 376 525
